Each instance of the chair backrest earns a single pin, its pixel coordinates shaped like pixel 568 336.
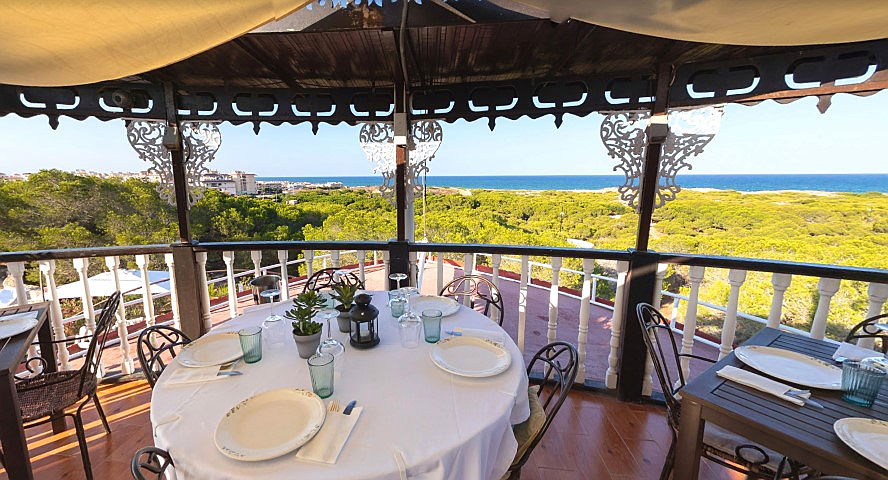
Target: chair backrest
pixel 153 461
pixel 666 360
pixel 93 357
pixel 479 290
pixel 329 277
pixel 870 328
pixel 157 345
pixel 560 363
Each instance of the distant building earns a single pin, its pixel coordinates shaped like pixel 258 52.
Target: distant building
pixel 219 181
pixel 245 183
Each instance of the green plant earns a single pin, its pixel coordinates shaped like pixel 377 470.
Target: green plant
pixel 345 295
pixel 306 306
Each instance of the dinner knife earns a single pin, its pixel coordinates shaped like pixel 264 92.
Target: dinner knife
pixel 349 407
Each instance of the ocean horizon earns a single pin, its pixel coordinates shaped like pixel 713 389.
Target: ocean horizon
pixel 851 183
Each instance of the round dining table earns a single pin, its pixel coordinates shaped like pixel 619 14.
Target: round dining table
pixel 418 421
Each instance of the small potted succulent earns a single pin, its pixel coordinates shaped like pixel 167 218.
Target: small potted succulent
pixel 306 332
pixel 345 295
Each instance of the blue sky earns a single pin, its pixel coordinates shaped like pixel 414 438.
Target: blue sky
pixel 766 138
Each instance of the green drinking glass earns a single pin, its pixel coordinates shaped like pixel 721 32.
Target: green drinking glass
pixel 431 325
pixel 320 366
pixel 251 343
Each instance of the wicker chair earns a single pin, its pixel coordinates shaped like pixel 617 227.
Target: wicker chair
pixel 152 460
pixel 53 392
pixel 719 445
pixel 329 277
pixel 560 363
pixel 870 328
pixel 156 347
pixel 479 290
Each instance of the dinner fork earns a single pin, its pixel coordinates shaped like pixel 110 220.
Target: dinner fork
pixel 334 406
pixel 798 395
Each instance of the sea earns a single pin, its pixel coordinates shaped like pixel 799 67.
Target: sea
pixel 855 183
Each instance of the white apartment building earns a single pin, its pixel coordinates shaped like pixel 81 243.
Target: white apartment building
pixel 245 183
pixel 219 181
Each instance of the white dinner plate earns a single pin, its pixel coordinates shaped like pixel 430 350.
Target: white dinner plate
pixel 791 366
pixel 16 323
pixel 448 306
pixel 270 424
pixel 867 436
pixel 470 356
pixel 211 350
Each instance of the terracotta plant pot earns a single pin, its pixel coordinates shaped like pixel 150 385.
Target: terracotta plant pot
pixel 307 344
pixel 344 321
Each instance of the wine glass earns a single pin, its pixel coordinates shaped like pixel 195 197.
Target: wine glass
pixel 270 294
pixel 398 277
pixel 330 345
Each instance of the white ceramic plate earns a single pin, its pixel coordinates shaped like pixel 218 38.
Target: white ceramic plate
pixel 448 306
pixel 867 436
pixel 210 350
pixel 791 366
pixel 270 424
pixel 16 323
pixel 470 356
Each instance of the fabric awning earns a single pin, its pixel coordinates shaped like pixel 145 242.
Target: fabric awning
pixel 71 42
pixel 102 284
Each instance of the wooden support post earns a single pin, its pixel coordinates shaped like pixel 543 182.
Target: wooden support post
pixel 188 290
pixel 399 262
pixel 642 285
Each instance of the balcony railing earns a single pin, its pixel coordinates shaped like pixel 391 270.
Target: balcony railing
pixel 565 273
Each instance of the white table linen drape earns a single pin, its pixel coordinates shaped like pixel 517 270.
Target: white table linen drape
pixel 446 427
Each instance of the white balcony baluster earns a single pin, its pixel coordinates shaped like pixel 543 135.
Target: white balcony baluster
pixel 309 262
pixel 735 279
pixel 468 269
pixel 610 377
pixel 228 258
pixel 362 259
pixel 81 265
pixel 439 280
pixel 126 359
pixel 386 261
pixel 285 277
pixel 17 271
pixel 826 287
pixel 585 311
pixel 147 299
pixel 334 258
pixel 780 282
pixel 174 295
pixel 413 268
pixel 522 301
pixel 256 257
pixel 48 267
pixel 375 257
pixel 690 320
pixel 877 294
pixel 648 383
pixel 552 327
pixel 201 258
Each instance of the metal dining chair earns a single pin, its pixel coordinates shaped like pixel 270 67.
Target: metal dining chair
pixel 156 347
pixel 48 393
pixel 720 446
pixel 153 461
pixel 330 277
pixel 480 291
pixel 873 327
pixel 560 363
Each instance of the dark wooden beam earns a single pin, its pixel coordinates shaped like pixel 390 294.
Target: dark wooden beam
pixel 177 152
pixel 650 173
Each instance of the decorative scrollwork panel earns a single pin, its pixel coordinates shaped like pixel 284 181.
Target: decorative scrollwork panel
pixel 377 142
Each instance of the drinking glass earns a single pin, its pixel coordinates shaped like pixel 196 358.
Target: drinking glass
pixel 409 326
pixel 320 366
pixel 330 345
pixel 398 277
pixel 861 382
pixel 398 306
pixel 251 343
pixel 270 294
pixel 431 325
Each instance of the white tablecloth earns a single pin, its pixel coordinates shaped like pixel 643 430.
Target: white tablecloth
pixel 447 427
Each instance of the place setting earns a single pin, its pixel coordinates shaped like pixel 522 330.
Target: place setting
pixel 16 323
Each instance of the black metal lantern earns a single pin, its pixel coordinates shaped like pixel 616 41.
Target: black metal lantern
pixel 364 324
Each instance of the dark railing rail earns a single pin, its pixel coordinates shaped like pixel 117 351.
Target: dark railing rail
pixel 779 266
pixel 521 250
pixel 289 245
pixel 69 253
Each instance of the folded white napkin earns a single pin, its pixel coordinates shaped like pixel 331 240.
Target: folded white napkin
pixel 187 376
pixel 853 352
pixel 497 337
pixel 328 442
pixel 18 316
pixel 760 383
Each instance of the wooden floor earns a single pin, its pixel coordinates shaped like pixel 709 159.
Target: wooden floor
pixel 594 437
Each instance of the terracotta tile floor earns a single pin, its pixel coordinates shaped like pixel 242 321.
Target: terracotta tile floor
pixel 594 437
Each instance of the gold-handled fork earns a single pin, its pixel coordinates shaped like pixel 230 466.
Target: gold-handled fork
pixel 334 406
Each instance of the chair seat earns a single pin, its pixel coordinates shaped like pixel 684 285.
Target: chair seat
pixel 724 443
pixel 50 392
pixel 527 430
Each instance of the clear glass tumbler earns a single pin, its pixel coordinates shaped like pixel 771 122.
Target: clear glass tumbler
pixel 431 325
pixel 861 382
pixel 320 366
pixel 409 327
pixel 251 343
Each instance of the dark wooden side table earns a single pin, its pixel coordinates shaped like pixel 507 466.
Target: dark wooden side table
pixel 804 434
pixel 12 351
